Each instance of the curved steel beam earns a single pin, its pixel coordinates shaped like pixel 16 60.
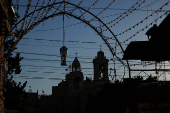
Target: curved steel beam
pixel 60 13
pixel 107 28
pixel 111 49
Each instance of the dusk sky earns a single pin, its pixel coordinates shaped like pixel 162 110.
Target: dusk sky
pixel 129 20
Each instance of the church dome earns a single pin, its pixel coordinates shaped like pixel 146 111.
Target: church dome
pixel 100 54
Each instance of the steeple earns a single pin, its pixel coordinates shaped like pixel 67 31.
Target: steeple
pixel 76 65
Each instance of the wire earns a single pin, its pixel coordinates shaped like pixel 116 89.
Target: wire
pixel 139 9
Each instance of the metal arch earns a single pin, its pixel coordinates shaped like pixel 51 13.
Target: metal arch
pixel 110 32
pixel 43 19
pixel 108 44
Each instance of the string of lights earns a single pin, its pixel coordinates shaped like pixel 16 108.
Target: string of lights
pixel 120 17
pixel 61 27
pixel 65 6
pixel 33 13
pixel 49 8
pixel 41 15
pixel 137 24
pixel 26 12
pixel 145 27
pixel 89 8
pixel 141 30
pixel 34 18
pixel 52 29
pixel 21 32
pixel 143 20
pixel 75 24
pixel 94 8
pixel 102 11
pixel 106 40
pixel 76 7
pixel 46 12
pixel 148 5
pixel 45 40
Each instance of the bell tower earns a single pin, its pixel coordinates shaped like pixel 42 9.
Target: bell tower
pixel 100 65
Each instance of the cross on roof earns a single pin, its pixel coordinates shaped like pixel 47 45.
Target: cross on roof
pixel 76 54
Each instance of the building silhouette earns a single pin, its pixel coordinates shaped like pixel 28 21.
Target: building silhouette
pixel 71 95
pixel 75 80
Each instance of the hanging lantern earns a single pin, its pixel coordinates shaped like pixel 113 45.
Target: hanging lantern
pixel 63 53
pixel 63 50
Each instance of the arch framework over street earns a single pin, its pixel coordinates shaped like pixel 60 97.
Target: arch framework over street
pixel 20 32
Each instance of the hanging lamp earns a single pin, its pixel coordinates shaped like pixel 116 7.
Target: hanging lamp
pixel 63 50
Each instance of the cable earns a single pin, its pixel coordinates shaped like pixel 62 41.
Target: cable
pixel 139 9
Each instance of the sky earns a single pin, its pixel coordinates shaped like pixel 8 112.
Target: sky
pixel 40 47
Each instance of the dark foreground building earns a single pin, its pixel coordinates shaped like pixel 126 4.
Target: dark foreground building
pixel 154 97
